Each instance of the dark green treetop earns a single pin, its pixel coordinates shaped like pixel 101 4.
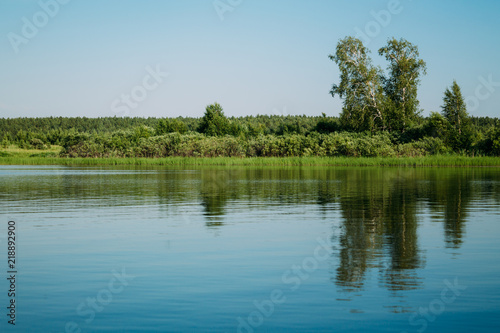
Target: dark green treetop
pixel 460 134
pixel 214 122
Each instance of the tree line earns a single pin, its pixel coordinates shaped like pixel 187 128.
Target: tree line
pixel 217 135
pixel 380 117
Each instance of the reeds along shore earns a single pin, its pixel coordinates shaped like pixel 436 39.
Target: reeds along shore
pixel 426 161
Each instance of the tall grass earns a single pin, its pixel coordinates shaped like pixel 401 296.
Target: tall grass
pixel 435 160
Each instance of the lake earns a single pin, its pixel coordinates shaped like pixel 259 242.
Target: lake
pixel 251 249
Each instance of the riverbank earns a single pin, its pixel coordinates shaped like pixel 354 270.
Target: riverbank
pixel 425 161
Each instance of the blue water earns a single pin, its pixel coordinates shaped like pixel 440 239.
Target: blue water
pixel 252 249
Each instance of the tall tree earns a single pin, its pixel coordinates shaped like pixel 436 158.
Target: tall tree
pixel 405 69
pixel 455 111
pixel 360 86
pixel 454 108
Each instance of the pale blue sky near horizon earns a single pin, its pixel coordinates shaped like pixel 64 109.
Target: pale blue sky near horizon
pixel 263 57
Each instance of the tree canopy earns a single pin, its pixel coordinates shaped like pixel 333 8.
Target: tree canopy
pixel 401 85
pixel 371 100
pixel 455 111
pixel 214 122
pixel 454 108
pixel 360 86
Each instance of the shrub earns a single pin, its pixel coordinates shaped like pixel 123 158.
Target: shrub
pixel 327 125
pixel 37 144
pixel 5 142
pixel 169 126
pixel 490 143
pixel 73 139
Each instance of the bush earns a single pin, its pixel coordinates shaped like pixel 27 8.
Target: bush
pixel 5 142
pixel 490 143
pixel 436 126
pixel 37 144
pixel 170 126
pixel 327 125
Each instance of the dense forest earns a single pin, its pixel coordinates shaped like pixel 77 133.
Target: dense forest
pixel 245 136
pixel 380 117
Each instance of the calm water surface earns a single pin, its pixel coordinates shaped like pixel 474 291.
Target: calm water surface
pixel 252 249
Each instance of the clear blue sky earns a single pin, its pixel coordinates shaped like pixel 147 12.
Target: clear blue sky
pixel 264 57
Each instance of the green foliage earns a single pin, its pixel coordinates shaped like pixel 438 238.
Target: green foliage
pixel 327 125
pixel 379 118
pixel 37 144
pixel 5 141
pixel 300 136
pixel 436 126
pixel 490 143
pixel 236 129
pixel 74 138
pixel 214 122
pixel 170 126
pixel 400 86
pixel 423 147
pixel 360 86
pixel 417 161
pixel 199 145
pixel 252 136
pixel 496 145
pixel 454 108
pixel 460 133
pixel 371 100
pixel 142 132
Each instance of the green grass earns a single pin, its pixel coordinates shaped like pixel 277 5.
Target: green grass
pixel 14 151
pixel 453 160
pixel 16 156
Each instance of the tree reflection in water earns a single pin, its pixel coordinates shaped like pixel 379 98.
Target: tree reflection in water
pixel 379 208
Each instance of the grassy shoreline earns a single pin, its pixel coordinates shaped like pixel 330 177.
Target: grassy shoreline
pixel 17 156
pixel 426 161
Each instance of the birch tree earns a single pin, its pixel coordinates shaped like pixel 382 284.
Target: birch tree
pixel 360 87
pixel 401 85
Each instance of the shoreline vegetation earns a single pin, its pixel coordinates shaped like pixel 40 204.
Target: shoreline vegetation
pixel 380 124
pixel 244 141
pixel 15 156
pixel 253 140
